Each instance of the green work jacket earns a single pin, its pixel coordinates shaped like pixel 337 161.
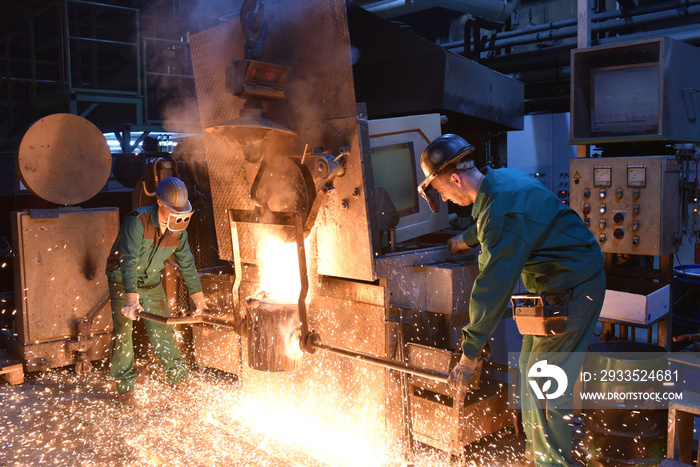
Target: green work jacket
pixel 524 231
pixel 139 253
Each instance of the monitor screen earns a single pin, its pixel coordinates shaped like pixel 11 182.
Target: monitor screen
pixel 396 145
pixel 395 170
pixel 625 99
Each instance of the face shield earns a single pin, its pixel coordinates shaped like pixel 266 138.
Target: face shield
pixel 441 152
pixel 430 194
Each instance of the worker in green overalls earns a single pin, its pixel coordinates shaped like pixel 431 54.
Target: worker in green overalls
pixel 525 232
pixel 148 237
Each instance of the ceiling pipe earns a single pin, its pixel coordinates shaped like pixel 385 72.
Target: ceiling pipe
pixel 490 10
pixel 597 27
pixel 393 8
pixel 567 28
pixel 689 34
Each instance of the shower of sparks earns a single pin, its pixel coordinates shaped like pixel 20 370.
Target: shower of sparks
pixel 263 419
pixel 333 412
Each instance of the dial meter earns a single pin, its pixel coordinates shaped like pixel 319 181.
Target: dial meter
pixel 636 175
pixel 602 176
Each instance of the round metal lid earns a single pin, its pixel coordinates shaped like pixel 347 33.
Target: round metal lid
pixel 64 159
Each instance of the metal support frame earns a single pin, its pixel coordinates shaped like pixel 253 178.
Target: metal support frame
pixel 583 29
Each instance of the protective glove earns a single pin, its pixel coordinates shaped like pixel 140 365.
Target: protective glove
pixel 457 244
pixel 131 305
pixel 199 303
pixel 462 374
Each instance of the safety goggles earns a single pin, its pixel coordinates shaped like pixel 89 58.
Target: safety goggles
pixel 178 221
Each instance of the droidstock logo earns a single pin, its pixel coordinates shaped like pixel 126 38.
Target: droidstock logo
pixel 542 369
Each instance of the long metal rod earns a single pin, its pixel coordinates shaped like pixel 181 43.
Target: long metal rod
pixel 303 274
pixel 438 376
pixel 206 318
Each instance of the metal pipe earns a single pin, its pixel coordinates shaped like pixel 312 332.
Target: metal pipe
pixel 690 33
pixel 166 41
pixel 206 318
pixel 383 362
pixel 600 20
pixel 491 10
pixel 392 239
pixel 101 41
pixel 105 5
pixel 303 274
pixel 537 28
pixel 520 32
pixel 391 6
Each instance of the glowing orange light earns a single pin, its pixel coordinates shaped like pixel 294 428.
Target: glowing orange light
pixel 279 269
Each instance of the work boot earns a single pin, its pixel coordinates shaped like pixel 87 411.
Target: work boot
pixel 127 399
pixel 184 390
pixel 186 385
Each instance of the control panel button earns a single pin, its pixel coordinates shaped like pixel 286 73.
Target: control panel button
pixel 635 240
pixel 619 233
pixel 635 225
pixel 602 208
pixel 619 218
pixel 601 238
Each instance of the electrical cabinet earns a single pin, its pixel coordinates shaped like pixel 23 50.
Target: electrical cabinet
pixel 630 204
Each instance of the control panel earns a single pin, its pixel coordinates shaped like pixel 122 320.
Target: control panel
pixel 630 204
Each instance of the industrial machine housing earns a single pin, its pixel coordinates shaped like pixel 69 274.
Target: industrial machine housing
pixel 374 282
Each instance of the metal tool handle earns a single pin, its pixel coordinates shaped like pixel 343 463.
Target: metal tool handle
pixel 206 318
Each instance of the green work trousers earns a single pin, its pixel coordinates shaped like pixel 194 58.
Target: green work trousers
pixel 161 336
pixel 548 424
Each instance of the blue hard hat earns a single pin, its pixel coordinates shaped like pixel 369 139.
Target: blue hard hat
pixel 172 192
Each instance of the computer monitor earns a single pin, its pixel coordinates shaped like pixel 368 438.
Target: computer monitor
pixel 394 169
pixel 625 100
pixel 396 145
pixel 638 91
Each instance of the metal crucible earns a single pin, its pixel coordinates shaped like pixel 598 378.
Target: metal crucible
pixel 271 327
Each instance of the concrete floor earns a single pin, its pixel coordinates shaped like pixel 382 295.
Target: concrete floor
pixel 59 418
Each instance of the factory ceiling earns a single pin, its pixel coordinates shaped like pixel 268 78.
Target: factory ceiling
pixel 96 75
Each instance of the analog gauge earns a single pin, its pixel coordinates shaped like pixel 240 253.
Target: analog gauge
pixel 636 176
pixel 602 176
